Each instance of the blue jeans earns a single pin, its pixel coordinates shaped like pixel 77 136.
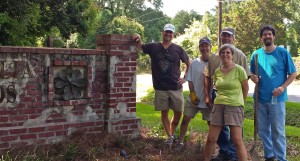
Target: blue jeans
pixel 271 129
pixel 225 144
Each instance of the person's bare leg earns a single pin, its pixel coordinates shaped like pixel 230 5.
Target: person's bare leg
pixel 212 138
pixel 165 121
pixel 175 121
pixel 237 139
pixel 183 127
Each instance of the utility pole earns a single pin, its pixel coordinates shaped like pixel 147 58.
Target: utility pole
pixel 220 18
pixel 219 23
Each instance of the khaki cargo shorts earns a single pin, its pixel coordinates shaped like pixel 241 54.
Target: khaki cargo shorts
pixel 172 99
pixel 227 115
pixel 191 110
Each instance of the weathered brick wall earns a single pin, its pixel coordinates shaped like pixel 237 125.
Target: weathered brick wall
pixel 46 94
pixel 121 112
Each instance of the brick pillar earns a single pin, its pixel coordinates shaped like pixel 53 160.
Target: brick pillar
pixel 120 114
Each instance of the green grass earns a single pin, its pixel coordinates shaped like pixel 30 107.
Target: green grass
pixel 151 119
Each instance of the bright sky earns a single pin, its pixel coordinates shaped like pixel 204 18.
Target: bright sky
pixel 171 7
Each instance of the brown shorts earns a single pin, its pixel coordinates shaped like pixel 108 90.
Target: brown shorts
pixel 191 110
pixel 172 99
pixel 227 115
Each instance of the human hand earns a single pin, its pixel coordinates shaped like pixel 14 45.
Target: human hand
pixel 255 78
pixel 136 38
pixel 278 91
pixel 208 102
pixel 181 80
pixel 194 98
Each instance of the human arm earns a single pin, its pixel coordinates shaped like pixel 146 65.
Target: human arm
pixel 278 91
pixel 207 86
pixel 182 80
pixel 137 39
pixel 194 99
pixel 245 89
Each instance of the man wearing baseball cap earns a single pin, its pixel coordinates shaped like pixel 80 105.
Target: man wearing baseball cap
pixel 196 100
pixel 227 151
pixel 165 65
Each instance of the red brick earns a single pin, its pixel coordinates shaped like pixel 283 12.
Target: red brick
pixel 8 49
pixel 28 136
pixel 131 64
pixel 133 69
pixel 40 141
pixel 28 99
pixel 27 50
pixel 46 135
pixel 55 128
pixel 19 118
pixel 35 93
pixel 123 79
pixel 128 121
pixel 62 51
pixel 126 132
pixel 3 119
pixel 123 69
pixel 60 133
pixel 36 129
pixel 124 127
pixel 32 86
pixel 6 124
pixel 129 94
pixel 8 138
pixel 3 132
pixel 134 127
pixel 8 112
pixel 27 111
pixel 45 50
pixel 132 109
pixel 116 123
pixel 57 62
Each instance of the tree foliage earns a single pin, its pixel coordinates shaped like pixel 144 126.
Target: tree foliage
pixel 183 19
pixel 23 22
pixel 249 16
pixel 189 40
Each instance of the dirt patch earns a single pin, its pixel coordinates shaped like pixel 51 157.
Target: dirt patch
pixel 107 147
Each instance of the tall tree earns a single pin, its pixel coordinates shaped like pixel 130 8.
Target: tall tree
pixel 23 22
pixel 249 16
pixel 183 19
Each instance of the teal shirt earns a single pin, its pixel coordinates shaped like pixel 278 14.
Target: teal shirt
pixel 273 69
pixel 229 86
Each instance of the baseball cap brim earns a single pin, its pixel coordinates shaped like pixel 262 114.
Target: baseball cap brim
pixel 231 33
pixel 204 42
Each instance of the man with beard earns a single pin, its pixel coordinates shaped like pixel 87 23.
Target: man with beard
pixel 165 65
pixel 227 151
pixel 276 71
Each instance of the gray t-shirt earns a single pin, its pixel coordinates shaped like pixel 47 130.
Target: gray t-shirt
pixel 196 76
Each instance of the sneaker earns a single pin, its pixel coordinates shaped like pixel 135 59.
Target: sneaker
pixel 175 140
pixel 270 159
pixel 169 140
pixel 179 147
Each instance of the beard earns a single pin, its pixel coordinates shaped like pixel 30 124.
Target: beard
pixel 267 42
